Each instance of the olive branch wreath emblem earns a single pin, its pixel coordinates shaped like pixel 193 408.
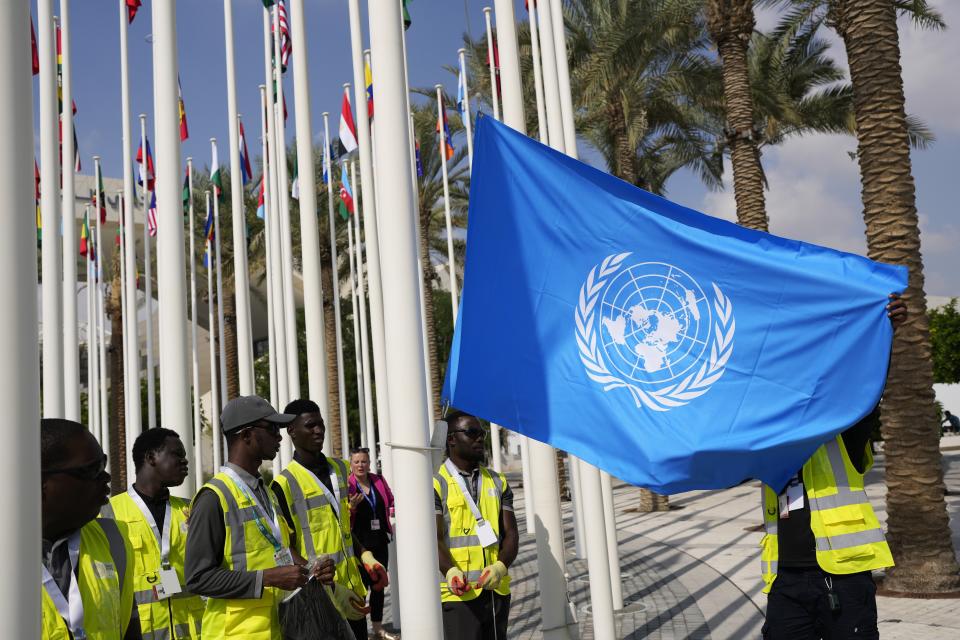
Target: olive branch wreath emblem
pixel 665 398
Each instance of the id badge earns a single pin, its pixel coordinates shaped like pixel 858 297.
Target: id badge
pixel 795 496
pixel 485 534
pixel 283 557
pixel 375 524
pixel 169 584
pixel 784 505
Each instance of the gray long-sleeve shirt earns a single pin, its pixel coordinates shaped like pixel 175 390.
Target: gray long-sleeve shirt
pixel 204 566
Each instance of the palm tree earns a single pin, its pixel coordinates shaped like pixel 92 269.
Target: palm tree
pixel 731 25
pixel 918 526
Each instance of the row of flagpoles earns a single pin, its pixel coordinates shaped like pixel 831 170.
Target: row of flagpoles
pixel 385 278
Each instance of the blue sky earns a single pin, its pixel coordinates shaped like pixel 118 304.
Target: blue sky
pixel 814 186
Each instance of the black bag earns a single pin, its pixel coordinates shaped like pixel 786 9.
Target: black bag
pixel 311 615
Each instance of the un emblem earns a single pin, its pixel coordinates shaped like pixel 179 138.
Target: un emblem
pixel 649 327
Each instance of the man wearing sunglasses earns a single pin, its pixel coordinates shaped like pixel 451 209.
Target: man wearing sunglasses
pixel 157 524
pixel 477 536
pixel 238 549
pixel 87 564
pixel 313 496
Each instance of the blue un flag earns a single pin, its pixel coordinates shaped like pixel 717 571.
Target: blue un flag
pixel 675 350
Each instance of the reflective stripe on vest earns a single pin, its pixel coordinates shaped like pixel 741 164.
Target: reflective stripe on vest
pixel 848 537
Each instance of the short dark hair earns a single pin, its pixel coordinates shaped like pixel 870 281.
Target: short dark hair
pixel 455 415
pixel 301 405
pixel 150 441
pixel 55 433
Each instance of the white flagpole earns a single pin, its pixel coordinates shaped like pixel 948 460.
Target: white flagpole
pixel 171 284
pixel 309 232
pixel 124 317
pixel 220 319
pixel 211 334
pixel 148 289
pixel 277 306
pixel 369 432
pixel 240 277
pixel 131 340
pixel 101 339
pixel 563 78
pixel 537 80
pixel 545 508
pixel 345 444
pixel 328 164
pixel 491 61
pixel 194 345
pixel 268 251
pixel 551 86
pixel 51 252
pixel 467 121
pixel 408 439
pixel 91 340
pixel 368 198
pixel 451 259
pixel 286 245
pixel 610 527
pixel 20 379
pixel 71 351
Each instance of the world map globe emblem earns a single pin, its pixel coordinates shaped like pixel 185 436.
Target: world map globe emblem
pixel 649 328
pixel 655 322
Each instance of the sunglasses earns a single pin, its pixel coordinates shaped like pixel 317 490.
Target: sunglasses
pixel 474 433
pixel 89 471
pixel 356 450
pixel 269 427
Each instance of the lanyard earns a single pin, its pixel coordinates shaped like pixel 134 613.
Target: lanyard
pixel 455 474
pixel 334 498
pixel 70 608
pixel 162 539
pixel 273 534
pixel 371 499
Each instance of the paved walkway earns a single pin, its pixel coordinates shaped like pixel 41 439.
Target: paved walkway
pixel 693 572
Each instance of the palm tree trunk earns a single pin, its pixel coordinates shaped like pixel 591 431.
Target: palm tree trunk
pixel 230 336
pixel 562 485
pixel 435 385
pixel 330 339
pixel 118 418
pixel 731 25
pixel 918 528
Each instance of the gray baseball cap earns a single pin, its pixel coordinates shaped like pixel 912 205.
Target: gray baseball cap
pixel 245 410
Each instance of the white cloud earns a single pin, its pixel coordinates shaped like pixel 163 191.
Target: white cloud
pixel 929 69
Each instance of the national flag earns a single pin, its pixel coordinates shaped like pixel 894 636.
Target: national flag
pixel 99 200
pixel 215 176
pixel 145 172
pixel 348 132
pixel 326 154
pixel 267 3
pixel 295 185
pixel 346 194
pixel 407 21
pixel 286 48
pixel 368 80
pixel 496 63
pixel 419 162
pixel 672 349
pixel 36 179
pixel 185 194
pixel 245 170
pixel 152 215
pixel 184 132
pixel 76 151
pixel 209 234
pixel 35 54
pixel 85 244
pixel 261 208
pixel 132 6
pixel 461 92
pixel 443 127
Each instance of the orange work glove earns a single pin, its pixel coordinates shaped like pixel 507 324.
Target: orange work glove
pixel 491 575
pixel 377 572
pixel 457 582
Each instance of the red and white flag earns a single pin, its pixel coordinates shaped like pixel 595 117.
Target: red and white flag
pixel 283 22
pixel 152 215
pixel 348 132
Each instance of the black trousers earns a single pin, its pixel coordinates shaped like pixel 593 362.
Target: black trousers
pixel 359 628
pixel 483 618
pixel 381 552
pixel 798 606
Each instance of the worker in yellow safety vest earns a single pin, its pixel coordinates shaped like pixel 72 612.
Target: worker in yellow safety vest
pixel 312 492
pixel 238 552
pixel 477 537
pixel 87 563
pixel 157 524
pixel 823 539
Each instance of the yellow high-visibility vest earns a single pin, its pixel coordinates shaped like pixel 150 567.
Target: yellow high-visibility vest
pixel 848 535
pixel 105 579
pixel 245 549
pixel 461 529
pixel 180 616
pixel 319 531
